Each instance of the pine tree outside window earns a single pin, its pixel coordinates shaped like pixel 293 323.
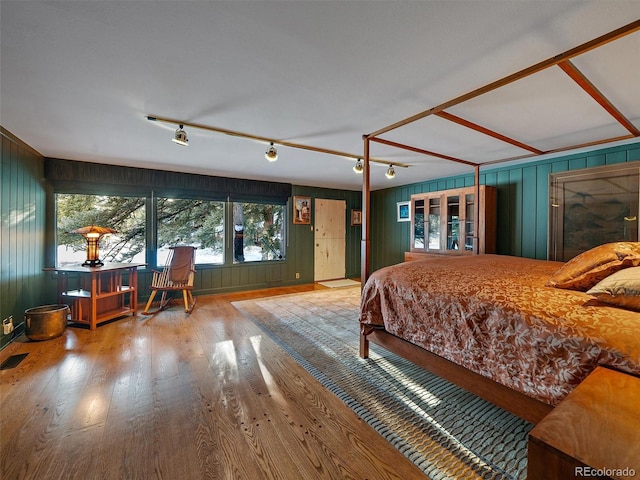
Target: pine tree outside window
pixel 126 215
pixel 199 223
pixel 258 232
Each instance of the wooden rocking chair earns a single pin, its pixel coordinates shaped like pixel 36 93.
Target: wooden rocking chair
pixel 177 275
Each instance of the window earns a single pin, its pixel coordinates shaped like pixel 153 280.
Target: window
pixel 199 223
pixel 126 215
pixel 257 229
pixel 258 232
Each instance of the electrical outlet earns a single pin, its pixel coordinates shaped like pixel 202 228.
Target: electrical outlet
pixel 297 275
pixel 7 325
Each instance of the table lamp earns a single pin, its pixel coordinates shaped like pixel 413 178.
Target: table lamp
pixel 92 235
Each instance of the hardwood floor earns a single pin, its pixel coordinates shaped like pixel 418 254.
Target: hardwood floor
pixel 178 396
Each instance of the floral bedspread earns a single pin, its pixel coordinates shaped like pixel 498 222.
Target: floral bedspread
pixel 494 315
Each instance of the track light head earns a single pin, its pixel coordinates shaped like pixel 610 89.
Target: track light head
pixel 271 154
pixel 180 137
pixel 391 173
pixel 358 166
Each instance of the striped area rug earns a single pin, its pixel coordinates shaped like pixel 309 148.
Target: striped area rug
pixel 446 431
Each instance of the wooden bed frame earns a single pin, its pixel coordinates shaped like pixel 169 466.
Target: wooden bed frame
pixel 515 402
pixel 527 408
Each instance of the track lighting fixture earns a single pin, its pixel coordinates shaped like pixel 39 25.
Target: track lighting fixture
pixel 390 172
pixel 180 137
pixel 271 154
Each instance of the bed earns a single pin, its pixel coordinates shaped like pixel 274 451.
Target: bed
pixel 519 332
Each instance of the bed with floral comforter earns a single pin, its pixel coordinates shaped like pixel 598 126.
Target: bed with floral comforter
pixel 496 315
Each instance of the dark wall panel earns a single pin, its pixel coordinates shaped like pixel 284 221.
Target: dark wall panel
pixel 22 209
pixel 529 195
pixel 542 210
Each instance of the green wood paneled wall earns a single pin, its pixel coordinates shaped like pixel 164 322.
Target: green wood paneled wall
pixel 22 208
pixel 522 215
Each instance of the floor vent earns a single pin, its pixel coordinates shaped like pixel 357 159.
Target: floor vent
pixel 13 361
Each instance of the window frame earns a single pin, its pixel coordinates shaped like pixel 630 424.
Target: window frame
pixel 155 227
pixel 283 234
pixel 151 215
pixel 56 243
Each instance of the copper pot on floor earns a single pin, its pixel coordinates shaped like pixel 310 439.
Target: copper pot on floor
pixel 45 322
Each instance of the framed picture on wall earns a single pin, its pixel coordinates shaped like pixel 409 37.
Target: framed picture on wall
pixel 404 211
pixel 356 217
pixel 301 210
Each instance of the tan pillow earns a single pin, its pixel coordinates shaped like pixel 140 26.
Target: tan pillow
pixel 621 289
pixel 585 270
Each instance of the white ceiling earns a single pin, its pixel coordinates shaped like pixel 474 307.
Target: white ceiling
pixel 78 79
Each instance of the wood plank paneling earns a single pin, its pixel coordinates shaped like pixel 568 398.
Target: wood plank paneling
pixel 529 224
pixel 596 160
pixel 22 211
pixel 505 202
pixel 515 192
pixel 616 156
pixel 542 210
pixel 577 163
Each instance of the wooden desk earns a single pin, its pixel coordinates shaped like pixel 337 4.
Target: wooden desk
pixel 595 429
pixel 98 293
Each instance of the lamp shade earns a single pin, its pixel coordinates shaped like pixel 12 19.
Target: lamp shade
pixel 92 235
pixel 391 173
pixel 271 154
pixel 180 137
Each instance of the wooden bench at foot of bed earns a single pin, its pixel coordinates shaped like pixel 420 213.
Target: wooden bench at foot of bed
pixel 593 432
pixel 525 407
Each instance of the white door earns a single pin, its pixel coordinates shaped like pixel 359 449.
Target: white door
pixel 329 239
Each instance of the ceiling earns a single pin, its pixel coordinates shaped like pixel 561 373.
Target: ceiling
pixel 79 78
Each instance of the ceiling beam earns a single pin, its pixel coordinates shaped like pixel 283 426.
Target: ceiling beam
pixel 420 150
pixel 578 77
pixel 486 131
pixel 574 52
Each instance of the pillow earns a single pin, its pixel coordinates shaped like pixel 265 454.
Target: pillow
pixel 621 289
pixel 585 270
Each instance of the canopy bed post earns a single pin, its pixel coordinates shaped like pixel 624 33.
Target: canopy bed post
pixel 476 211
pixel 365 244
